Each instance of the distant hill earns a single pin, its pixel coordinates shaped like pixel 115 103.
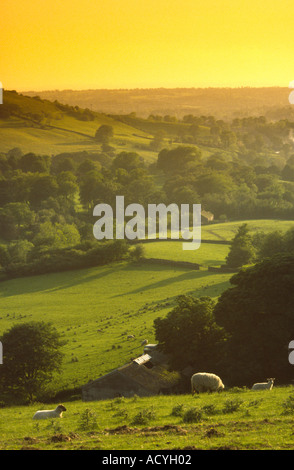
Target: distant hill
pixel 46 127
pixel 54 122
pixel 220 102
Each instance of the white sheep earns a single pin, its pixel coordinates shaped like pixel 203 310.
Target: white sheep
pixel 205 382
pixel 44 414
pixel 144 342
pixel 130 336
pixel 264 385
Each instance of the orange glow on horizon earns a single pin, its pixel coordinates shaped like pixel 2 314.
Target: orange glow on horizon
pixel 48 44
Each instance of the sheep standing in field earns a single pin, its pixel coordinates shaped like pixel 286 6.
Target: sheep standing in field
pixel 205 382
pixel 44 414
pixel 264 385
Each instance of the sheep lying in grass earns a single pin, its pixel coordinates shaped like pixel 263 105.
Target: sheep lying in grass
pixel 205 382
pixel 264 385
pixel 44 414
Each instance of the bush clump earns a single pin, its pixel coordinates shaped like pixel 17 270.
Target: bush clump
pixel 193 415
pixel 231 406
pixel 88 420
pixel 143 417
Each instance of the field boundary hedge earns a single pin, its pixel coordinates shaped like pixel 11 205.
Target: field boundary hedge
pixel 152 240
pixel 184 264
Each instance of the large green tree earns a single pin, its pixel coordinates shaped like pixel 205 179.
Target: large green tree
pixel 128 161
pixel 241 250
pixel 31 355
pixel 104 133
pixel 176 159
pixel 257 312
pixel 190 335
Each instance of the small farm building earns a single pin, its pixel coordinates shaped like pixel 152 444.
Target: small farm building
pixel 138 377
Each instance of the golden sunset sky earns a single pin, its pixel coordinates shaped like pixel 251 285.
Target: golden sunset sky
pixel 60 44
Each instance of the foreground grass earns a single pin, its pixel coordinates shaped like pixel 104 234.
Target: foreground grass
pixel 234 419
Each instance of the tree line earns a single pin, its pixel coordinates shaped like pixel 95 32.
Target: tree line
pixel 46 202
pixel 243 336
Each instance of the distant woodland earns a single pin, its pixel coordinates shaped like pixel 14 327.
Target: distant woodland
pixel 220 102
pixel 237 169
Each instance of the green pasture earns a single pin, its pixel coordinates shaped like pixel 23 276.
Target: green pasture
pixel 59 132
pixel 208 254
pixel 227 230
pixel 234 419
pixel 211 254
pixel 95 309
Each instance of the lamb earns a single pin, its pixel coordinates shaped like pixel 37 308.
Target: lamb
pixel 44 414
pixel 206 382
pixel 264 385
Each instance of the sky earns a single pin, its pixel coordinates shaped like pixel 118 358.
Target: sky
pixel 88 44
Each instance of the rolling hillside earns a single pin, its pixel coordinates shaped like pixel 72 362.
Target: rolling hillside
pixel 40 126
pixel 95 309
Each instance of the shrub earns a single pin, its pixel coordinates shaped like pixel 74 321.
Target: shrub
pixel 121 414
pixel 209 409
pixel 143 417
pixel 177 410
pixel 232 405
pixel 288 405
pixel 193 415
pixel 88 420
pixel 238 389
pixel 137 253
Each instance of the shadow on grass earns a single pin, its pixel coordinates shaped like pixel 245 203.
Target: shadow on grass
pixel 186 276
pixel 52 282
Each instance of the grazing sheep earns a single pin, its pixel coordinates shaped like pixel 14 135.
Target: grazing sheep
pixel 264 385
pixel 205 382
pixel 144 342
pixel 130 336
pixel 44 414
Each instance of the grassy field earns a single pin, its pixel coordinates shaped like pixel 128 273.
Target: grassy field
pixel 212 254
pixel 69 135
pixel 234 419
pixel 227 230
pixel 60 132
pixel 95 309
pixel 208 254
